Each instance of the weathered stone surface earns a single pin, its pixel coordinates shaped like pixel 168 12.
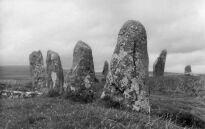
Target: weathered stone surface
pixel 187 70
pixel 55 77
pixel 37 70
pixel 82 75
pixel 159 65
pixel 126 81
pixel 105 69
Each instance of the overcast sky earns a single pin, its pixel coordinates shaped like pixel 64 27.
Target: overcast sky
pixel 175 25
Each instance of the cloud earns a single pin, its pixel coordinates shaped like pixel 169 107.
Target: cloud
pixel 27 25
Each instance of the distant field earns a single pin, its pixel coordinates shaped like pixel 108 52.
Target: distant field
pixel 14 72
pixel 22 72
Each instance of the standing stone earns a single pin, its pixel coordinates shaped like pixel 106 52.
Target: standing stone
pixel 55 77
pixel 37 70
pixel 105 69
pixel 126 81
pixel 187 70
pixel 159 65
pixel 82 75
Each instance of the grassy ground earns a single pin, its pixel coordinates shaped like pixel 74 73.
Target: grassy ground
pixel 184 111
pixel 170 109
pixel 56 113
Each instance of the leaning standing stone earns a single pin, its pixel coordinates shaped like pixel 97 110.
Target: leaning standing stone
pixel 159 65
pixel 105 69
pixel 81 77
pixel 37 70
pixel 126 81
pixel 187 70
pixel 55 78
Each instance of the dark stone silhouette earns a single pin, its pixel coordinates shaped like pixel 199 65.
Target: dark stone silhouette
pixel 37 70
pixel 105 69
pixel 187 70
pixel 125 83
pixel 159 65
pixel 55 77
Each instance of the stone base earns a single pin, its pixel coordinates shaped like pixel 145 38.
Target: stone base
pixel 140 105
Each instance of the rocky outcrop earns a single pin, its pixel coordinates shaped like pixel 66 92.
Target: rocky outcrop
pixel 126 81
pixel 187 70
pixel 159 65
pixel 81 77
pixel 55 77
pixel 37 70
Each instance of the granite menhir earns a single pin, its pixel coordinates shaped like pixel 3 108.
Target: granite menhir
pixel 55 77
pixel 80 78
pixel 105 69
pixel 126 80
pixel 187 70
pixel 37 70
pixel 159 65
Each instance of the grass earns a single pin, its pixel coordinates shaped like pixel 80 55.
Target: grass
pixel 56 113
pixel 175 102
pixel 180 86
pixel 20 85
pixel 185 111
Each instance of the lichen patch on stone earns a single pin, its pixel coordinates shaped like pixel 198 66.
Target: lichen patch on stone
pixel 87 81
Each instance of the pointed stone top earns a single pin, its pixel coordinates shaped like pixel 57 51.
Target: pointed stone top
pixel 106 62
pixel 105 68
pixel 80 43
pixel 163 53
pixel 39 51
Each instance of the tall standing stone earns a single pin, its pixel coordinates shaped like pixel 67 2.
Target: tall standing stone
pixel 55 77
pixel 187 70
pixel 105 69
pixel 37 70
pixel 159 65
pixel 126 81
pixel 82 75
